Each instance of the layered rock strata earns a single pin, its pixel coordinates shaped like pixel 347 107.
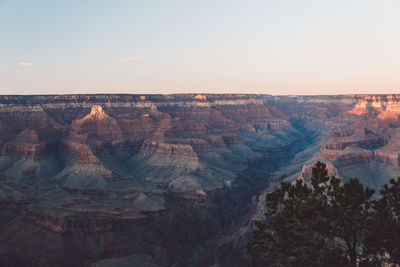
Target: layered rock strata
pixel 159 178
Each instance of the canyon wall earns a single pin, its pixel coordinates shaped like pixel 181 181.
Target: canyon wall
pixel 170 180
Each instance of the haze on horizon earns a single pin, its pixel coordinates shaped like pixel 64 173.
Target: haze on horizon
pixel 177 46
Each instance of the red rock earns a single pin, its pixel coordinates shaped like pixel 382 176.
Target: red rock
pixel 168 151
pixel 142 168
pixel 389 153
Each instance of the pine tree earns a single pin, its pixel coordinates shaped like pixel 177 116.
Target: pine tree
pixel 383 239
pixel 322 224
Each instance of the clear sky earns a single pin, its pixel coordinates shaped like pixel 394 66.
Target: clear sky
pixel 211 46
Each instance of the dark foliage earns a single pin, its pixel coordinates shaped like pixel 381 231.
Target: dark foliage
pixel 327 223
pixel 383 239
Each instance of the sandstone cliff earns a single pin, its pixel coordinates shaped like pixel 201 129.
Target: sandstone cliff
pixel 153 178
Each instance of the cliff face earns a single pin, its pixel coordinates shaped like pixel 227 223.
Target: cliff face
pixel 368 141
pixel 92 177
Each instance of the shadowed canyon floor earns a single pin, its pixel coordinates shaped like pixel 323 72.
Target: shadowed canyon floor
pixel 170 180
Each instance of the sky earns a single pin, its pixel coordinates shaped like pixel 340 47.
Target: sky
pixel 208 46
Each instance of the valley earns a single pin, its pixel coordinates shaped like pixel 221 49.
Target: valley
pixel 171 180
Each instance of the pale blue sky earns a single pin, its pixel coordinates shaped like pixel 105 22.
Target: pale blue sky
pixel 214 46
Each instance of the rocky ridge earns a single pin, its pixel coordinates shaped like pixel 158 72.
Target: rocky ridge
pixel 108 176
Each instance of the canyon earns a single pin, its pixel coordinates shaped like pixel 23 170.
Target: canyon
pixel 171 180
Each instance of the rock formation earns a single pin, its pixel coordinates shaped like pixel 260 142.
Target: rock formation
pixel 90 180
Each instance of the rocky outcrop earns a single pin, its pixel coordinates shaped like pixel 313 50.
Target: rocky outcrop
pixel 168 151
pixel 27 150
pixel 306 172
pixel 353 155
pixel 381 106
pixel 390 153
pixel 96 113
pixel 107 176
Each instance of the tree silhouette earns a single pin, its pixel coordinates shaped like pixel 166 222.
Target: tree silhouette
pixel 324 223
pixel 383 239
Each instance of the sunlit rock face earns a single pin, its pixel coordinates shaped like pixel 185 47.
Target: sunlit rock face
pixel 380 106
pixel 153 178
pixel 362 141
